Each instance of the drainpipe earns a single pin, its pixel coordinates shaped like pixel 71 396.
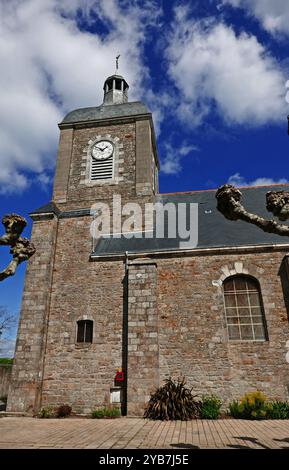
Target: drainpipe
pixel 125 337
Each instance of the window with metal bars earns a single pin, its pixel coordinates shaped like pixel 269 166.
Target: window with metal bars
pixel 101 169
pixel 84 331
pixel 244 309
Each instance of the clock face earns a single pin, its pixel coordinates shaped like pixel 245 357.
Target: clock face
pixel 102 150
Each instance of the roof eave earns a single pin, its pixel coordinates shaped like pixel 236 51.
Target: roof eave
pixel 103 121
pixel 268 247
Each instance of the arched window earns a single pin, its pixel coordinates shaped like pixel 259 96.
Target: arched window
pixel 84 331
pixel 244 309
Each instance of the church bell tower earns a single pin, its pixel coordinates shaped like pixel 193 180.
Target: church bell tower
pixel 106 149
pixel 103 150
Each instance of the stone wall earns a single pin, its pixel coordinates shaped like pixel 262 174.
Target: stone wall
pixel 193 338
pixel 176 327
pixel 5 379
pixel 82 374
pixel 63 286
pixel 25 391
pixel 78 191
pixel 176 324
pixel 133 164
pixel 143 334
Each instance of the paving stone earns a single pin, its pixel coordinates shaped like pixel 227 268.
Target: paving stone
pixel 132 433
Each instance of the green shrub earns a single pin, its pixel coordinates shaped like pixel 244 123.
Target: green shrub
pixel 251 406
pixel 234 409
pixel 211 407
pixel 46 412
pixel 106 412
pixel 6 360
pixel 97 414
pixel 173 401
pixel 278 410
pixel 62 411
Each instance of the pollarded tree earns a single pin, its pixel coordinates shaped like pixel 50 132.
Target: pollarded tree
pixel 229 204
pixel 21 248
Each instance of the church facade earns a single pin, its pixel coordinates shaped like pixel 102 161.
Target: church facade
pixel 108 320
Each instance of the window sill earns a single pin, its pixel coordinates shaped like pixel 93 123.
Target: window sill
pixel 248 341
pixel 82 345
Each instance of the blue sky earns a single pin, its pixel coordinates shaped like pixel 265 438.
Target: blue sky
pixel 213 72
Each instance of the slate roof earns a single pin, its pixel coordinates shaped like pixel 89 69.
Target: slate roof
pixel 49 208
pixel 105 112
pixel 214 230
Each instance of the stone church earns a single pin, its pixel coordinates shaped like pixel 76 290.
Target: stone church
pixel 108 320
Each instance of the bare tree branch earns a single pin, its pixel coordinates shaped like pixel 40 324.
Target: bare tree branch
pixel 229 204
pixel 7 320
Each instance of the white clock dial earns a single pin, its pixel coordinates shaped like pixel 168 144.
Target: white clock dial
pixel 102 150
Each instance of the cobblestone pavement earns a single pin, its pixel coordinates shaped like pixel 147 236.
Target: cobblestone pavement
pixel 132 433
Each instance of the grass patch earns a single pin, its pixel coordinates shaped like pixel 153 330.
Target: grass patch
pixel 106 412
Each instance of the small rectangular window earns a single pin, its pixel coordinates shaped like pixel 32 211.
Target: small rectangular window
pixel 84 331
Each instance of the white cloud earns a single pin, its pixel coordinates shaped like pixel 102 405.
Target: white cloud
pixel 50 66
pixel 215 69
pixel 159 104
pixel 287 93
pixel 171 164
pixel 7 347
pixel 238 180
pixel 11 180
pixel 272 14
pixel 43 179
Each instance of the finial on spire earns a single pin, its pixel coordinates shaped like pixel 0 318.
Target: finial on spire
pixel 116 62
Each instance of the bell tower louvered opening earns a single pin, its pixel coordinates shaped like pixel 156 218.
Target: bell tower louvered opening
pixel 101 169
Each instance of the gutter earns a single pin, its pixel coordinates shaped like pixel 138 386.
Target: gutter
pixel 192 252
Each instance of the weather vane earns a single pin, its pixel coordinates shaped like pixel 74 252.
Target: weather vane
pixel 116 61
